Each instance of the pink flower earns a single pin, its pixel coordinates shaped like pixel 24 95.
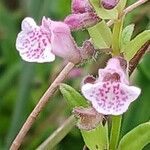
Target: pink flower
pixel 41 43
pixel 79 21
pixel 82 16
pixel 110 93
pixel 81 6
pixel 109 4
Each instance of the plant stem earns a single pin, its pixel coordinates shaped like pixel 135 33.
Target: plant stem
pixel 129 9
pixel 39 107
pixel 138 56
pixel 133 6
pixel 117 29
pixel 115 132
pixel 58 135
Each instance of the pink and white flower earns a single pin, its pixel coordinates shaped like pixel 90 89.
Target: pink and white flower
pixel 41 43
pixel 110 93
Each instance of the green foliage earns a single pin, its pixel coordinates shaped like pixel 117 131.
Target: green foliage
pixel 134 45
pixel 21 102
pixel 101 35
pixel 126 35
pixel 103 13
pixel 72 97
pixel 17 80
pixel 136 138
pixel 96 139
pixel 121 5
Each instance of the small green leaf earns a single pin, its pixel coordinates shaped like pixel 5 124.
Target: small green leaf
pixel 72 97
pixel 101 35
pixel 105 32
pixel 96 139
pixel 134 45
pixel 121 5
pixel 137 138
pixel 126 35
pixel 103 13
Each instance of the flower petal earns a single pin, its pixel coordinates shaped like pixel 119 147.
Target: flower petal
pixel 63 44
pixel 115 70
pixel 110 98
pixel 28 24
pixel 33 43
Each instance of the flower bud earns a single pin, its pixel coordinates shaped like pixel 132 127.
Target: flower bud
pixel 81 6
pixel 79 21
pixel 87 50
pixel 89 118
pixel 109 4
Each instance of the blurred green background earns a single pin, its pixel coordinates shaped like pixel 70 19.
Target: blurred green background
pixel 22 83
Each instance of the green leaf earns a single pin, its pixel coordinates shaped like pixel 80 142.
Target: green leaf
pixel 96 139
pixel 121 5
pixel 126 35
pixel 72 97
pixel 137 138
pixel 134 45
pixel 103 13
pixel 105 32
pixel 101 35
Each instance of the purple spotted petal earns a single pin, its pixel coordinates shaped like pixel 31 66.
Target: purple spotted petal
pixel 33 42
pixel 110 98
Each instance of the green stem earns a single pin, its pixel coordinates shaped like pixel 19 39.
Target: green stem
pixel 115 132
pixel 58 135
pixel 117 29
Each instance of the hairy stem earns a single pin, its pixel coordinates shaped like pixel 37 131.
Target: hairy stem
pixel 39 107
pixel 58 135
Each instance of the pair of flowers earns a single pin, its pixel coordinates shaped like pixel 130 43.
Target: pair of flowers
pixel 110 93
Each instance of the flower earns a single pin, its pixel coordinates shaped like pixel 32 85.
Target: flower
pixel 82 15
pixel 81 6
pixel 109 4
pixel 79 21
pixel 110 93
pixel 41 43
